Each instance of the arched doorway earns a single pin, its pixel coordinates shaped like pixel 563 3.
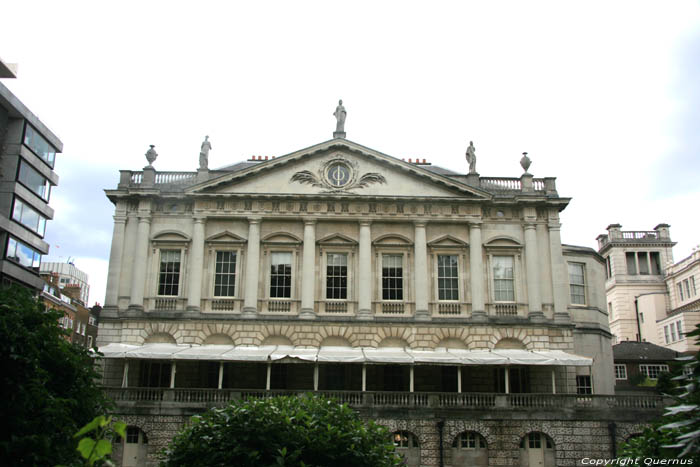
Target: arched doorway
pixel 135 452
pixel 407 446
pixel 537 450
pixel 469 448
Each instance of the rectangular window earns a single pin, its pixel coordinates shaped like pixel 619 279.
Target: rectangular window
pixel 610 311
pixel 679 329
pixel 652 371
pixel 337 276
pixel 680 291
pixel 90 341
pixel 583 384
pixel 39 146
pixel 448 277
pixel 672 328
pixel 692 285
pixel 28 217
pixel 686 284
pixel 631 263
pixel 503 283
pixel 620 372
pixel 392 277
pixel 655 262
pixel 225 274
pixel 666 335
pixel 132 435
pixel 577 283
pixel 33 180
pixel 608 267
pixel 169 279
pixel 23 254
pixel 643 261
pixel 281 275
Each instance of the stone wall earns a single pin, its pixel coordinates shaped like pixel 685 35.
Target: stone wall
pixel 573 439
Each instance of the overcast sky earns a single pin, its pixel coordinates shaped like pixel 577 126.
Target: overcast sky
pixel 602 95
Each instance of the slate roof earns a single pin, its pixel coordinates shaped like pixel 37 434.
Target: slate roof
pixel 642 351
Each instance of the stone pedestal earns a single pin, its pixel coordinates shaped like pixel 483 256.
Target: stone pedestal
pixel 338 134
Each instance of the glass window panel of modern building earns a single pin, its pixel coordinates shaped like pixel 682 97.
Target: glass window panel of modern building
pixel 169 278
pixel 503 279
pixel 34 141
pixel 448 277
pixel 23 254
pixel 281 275
pixel 33 180
pixel 337 276
pixel 28 217
pixel 577 283
pixel 225 275
pixel 392 277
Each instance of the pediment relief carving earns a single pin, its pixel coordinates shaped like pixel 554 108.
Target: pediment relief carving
pixel 338 175
pixel 447 241
pixel 337 239
pixel 392 239
pixel 226 237
pixel 281 237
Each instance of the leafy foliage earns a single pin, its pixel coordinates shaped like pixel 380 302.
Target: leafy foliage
pixel 677 434
pixel 49 386
pixel 97 449
pixel 282 431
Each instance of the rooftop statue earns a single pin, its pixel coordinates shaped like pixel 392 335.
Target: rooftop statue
pixel 340 115
pixel 204 154
pixel 471 157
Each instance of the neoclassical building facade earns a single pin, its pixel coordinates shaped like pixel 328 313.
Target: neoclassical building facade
pixel 442 304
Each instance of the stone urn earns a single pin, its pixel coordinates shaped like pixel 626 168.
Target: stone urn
pixel 151 155
pixel 525 162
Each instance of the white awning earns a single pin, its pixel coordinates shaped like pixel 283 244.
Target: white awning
pixel 396 355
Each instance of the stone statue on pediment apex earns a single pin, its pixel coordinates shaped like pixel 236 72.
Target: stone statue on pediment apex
pixel 204 154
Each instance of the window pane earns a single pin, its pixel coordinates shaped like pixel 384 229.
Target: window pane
pixel 225 275
pixel 643 261
pixel 631 263
pixel 392 277
pixel 337 276
pixel 577 283
pixel 281 275
pixel 448 284
pixel 34 141
pixel 22 254
pixel 169 278
pixel 503 279
pixel 34 180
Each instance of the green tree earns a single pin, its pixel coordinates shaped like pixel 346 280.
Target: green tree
pixel 677 434
pixel 282 431
pixel 49 388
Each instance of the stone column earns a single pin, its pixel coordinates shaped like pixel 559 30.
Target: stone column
pixel 420 272
pixel 364 292
pixel 138 273
pixel 115 261
pixel 127 262
pixel 560 276
pixel 308 270
pixel 476 271
pixel 533 273
pixel 194 297
pixel 250 303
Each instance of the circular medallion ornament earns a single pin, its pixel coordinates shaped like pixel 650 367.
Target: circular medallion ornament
pixel 338 175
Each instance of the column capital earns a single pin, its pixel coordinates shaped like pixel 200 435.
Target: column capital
pixel 529 225
pixel 120 219
pixel 365 222
pixel 554 226
pixel 475 224
pixel 254 219
pixel 420 223
pixel 144 219
pixel 200 219
pixel 310 221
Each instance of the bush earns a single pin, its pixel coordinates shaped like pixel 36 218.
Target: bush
pixel 49 387
pixel 282 431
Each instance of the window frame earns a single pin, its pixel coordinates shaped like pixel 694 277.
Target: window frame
pixel 582 285
pixel 18 242
pixel 404 274
pixel 458 278
pixel 24 206
pixel 237 274
pixel 514 280
pixel 48 160
pixel 180 273
pixel 622 374
pixel 348 274
pixel 47 185
pixel 658 367
pixel 293 252
pixel 584 385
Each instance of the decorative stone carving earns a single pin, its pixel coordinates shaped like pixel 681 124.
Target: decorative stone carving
pixel 151 156
pixel 204 154
pixel 337 176
pixel 525 162
pixel 471 157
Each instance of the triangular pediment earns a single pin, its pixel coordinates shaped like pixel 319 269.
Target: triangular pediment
pixel 447 241
pixel 337 239
pixel 338 167
pixel 225 237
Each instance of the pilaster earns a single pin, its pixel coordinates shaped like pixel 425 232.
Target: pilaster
pixel 476 272
pixel 252 270
pixel 364 293
pixel 420 276
pixel 533 274
pixel 308 276
pixel 138 283
pixel 196 265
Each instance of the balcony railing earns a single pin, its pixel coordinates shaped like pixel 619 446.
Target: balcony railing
pixel 378 399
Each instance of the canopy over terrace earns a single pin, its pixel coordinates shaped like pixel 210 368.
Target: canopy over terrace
pixel 341 355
